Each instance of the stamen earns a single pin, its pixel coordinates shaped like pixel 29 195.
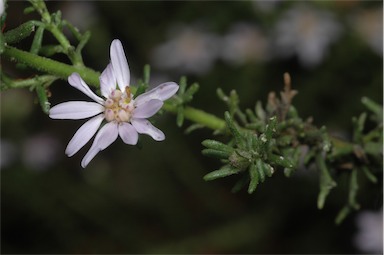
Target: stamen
pixel 109 115
pixel 129 94
pixel 108 103
pixel 116 94
pixel 123 115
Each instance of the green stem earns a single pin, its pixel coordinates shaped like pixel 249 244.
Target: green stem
pixel 52 27
pixel 198 116
pixel 50 66
pixel 8 83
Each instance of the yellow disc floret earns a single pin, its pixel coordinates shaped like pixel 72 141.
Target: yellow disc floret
pixel 119 106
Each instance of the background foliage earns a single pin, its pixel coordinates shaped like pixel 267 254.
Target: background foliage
pixel 153 199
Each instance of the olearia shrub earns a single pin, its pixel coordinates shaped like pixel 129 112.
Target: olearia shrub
pixel 251 144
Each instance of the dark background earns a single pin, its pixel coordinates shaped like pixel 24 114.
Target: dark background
pixel 153 199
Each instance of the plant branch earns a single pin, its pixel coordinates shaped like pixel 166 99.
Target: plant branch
pixel 50 66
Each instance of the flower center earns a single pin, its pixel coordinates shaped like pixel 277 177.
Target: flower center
pixel 119 106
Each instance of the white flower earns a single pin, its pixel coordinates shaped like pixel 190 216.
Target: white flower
pixel 191 50
pixel 126 116
pixel 369 237
pixel 244 43
pixel 2 7
pixel 306 33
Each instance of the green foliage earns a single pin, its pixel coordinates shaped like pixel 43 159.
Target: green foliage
pixel 276 138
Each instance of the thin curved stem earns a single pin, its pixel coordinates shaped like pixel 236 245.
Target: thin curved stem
pixel 50 66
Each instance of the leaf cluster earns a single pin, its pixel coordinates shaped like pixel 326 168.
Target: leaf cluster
pixel 264 140
pixel 50 23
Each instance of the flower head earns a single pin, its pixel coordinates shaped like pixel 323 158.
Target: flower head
pixel 125 115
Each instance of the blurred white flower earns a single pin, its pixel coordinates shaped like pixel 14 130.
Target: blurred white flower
pixel 40 151
pixel 370 235
pixel 126 116
pixel 8 153
pixel 82 13
pixel 265 5
pixel 244 42
pixel 369 24
pixel 2 7
pixel 307 33
pixel 190 50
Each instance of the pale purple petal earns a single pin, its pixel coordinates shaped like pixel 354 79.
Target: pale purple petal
pixel 119 64
pixel 107 81
pixel 143 126
pixel 128 133
pixel 148 109
pixel 76 81
pixel 83 135
pixel 161 92
pixel 75 110
pixel 107 135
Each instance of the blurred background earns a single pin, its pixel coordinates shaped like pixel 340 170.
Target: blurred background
pixel 153 199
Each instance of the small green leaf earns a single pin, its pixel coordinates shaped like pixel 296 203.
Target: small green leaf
pixel 191 91
pixel 239 140
pixel 280 160
pixel 216 145
pixel 180 116
pixel 182 85
pixel 343 213
pixel 270 129
pixel 43 98
pixel 216 153
pixel 21 32
pixel 326 181
pixel 147 74
pixel 368 174
pixel 359 126
pixel 223 172
pixel 268 169
pixel 374 107
pixel 251 116
pixel 253 173
pixel 220 93
pixel 353 188
pixel 261 114
pixel 260 170
pixel 193 127
pixel 36 44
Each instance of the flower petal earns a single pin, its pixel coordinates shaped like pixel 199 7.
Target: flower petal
pixel 75 110
pixel 128 133
pixel 107 81
pixel 76 81
pixel 119 64
pixel 148 109
pixel 143 126
pixel 161 92
pixel 83 135
pixel 107 135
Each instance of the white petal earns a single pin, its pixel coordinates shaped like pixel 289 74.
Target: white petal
pixel 76 81
pixel 107 81
pixel 161 92
pixel 119 64
pixel 128 133
pixel 143 126
pixel 148 109
pixel 75 110
pixel 83 135
pixel 107 135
